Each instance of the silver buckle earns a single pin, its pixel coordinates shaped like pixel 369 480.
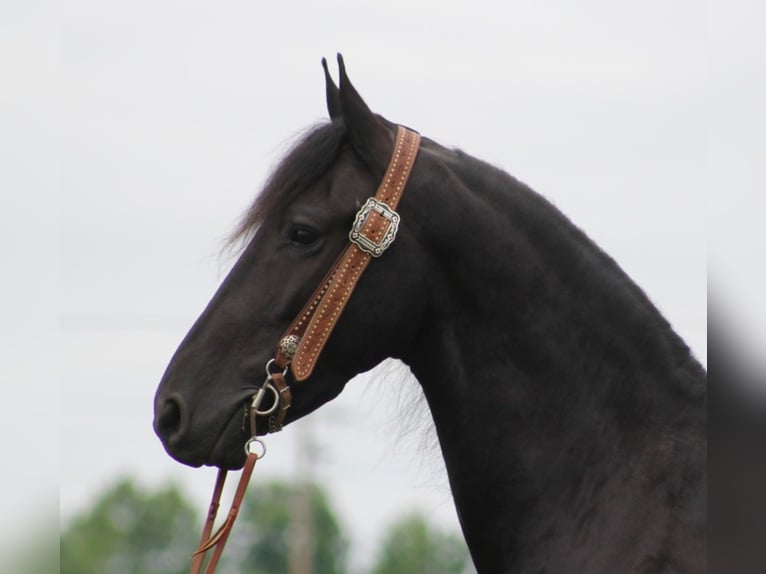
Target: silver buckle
pixel 374 248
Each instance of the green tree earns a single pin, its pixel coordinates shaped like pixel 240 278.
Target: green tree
pixel 32 547
pixel 271 525
pixel 411 546
pixel 132 531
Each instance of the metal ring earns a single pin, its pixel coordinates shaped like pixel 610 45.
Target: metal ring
pixel 271 362
pixel 249 451
pixel 272 409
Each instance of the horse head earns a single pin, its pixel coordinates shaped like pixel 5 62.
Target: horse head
pixel 295 229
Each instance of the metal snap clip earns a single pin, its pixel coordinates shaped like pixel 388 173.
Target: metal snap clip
pixel 258 399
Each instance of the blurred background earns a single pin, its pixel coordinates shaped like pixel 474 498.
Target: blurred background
pixel 134 135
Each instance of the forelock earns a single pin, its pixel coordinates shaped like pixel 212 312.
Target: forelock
pixel 308 160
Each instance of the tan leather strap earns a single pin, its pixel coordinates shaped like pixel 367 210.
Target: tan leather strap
pixel 284 401
pixel 218 540
pixel 373 231
pixel 199 554
pixel 276 383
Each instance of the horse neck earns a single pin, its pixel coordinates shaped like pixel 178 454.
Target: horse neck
pixel 545 368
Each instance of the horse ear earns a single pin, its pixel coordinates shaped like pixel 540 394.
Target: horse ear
pixel 332 93
pixel 369 137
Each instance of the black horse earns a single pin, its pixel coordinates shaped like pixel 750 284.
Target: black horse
pixel 571 417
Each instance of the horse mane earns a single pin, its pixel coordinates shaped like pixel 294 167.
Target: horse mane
pixel 314 152
pixel 309 158
pixel 573 254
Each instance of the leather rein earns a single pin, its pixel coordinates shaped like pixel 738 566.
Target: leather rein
pixel 373 231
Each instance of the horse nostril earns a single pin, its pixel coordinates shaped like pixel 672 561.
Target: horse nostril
pixel 172 423
pixel 169 418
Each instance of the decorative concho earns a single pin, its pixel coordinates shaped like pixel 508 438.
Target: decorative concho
pixel 381 241
pixel 288 346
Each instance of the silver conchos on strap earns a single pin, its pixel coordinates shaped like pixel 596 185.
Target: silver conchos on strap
pixel 288 346
pixel 384 232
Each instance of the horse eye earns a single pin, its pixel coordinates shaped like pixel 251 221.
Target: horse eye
pixel 302 235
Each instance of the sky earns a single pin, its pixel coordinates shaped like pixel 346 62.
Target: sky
pixel 135 134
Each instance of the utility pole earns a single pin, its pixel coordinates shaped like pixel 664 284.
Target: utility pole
pixel 301 529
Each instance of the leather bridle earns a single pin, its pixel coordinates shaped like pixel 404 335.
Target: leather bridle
pixel 373 231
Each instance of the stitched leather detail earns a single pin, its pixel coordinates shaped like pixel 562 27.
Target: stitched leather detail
pixel 319 316
pixel 322 323
pixel 299 324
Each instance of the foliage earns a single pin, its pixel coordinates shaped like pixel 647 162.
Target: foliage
pixel 267 529
pixel 131 531
pixel 32 547
pixel 413 547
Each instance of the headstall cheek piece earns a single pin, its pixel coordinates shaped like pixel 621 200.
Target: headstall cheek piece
pixel 373 231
